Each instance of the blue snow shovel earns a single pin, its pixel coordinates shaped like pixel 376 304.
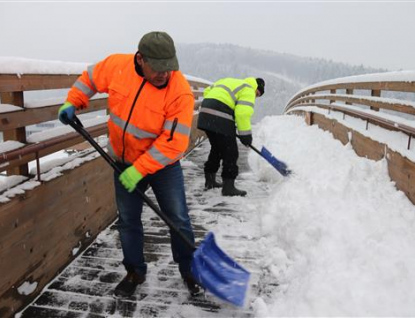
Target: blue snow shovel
pixel 217 271
pixel 277 164
pixel 211 267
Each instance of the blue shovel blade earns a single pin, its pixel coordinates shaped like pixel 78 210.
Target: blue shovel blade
pixel 218 273
pixel 277 164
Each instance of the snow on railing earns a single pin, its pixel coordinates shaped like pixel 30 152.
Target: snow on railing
pixel 395 113
pixel 374 113
pixel 30 127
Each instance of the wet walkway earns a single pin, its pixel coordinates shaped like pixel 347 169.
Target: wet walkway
pixel 85 287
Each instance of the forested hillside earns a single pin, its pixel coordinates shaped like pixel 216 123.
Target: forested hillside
pixel 284 74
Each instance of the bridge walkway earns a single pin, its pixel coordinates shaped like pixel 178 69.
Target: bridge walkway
pixel 85 287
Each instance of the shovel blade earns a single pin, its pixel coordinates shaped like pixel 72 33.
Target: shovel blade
pixel 218 273
pixel 277 164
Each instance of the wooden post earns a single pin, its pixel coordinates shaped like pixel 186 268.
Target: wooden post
pixel 18 134
pixel 309 118
pixel 332 91
pixel 349 91
pixel 376 93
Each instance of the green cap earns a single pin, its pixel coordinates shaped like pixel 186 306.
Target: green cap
pixel 158 50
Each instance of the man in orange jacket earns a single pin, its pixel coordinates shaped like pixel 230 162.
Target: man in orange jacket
pixel 150 115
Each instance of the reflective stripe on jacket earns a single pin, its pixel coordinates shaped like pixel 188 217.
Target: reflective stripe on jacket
pixel 239 95
pixel 148 127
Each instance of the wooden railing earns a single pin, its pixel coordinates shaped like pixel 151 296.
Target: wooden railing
pixel 13 124
pixel 385 100
pixel 44 224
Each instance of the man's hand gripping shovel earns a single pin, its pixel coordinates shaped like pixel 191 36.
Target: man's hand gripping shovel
pixel 211 267
pixel 279 165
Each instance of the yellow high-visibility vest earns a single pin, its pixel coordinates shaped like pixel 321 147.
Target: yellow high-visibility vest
pixel 239 95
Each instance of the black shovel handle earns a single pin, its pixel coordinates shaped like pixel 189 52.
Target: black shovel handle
pixel 77 125
pixel 252 147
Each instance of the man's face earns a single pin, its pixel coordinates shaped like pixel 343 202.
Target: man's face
pixel 157 79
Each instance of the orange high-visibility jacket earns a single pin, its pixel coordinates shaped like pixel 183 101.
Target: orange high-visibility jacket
pixel 148 127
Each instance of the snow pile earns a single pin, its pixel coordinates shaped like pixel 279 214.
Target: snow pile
pixel 337 235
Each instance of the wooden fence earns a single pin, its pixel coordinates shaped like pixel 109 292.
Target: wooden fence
pixel 46 221
pixel 383 101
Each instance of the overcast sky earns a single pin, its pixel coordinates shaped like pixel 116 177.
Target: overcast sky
pixel 378 34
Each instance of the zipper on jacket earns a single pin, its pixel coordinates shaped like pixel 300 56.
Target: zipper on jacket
pixel 173 128
pixel 128 119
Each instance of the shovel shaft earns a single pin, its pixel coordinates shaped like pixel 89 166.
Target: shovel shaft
pixel 256 150
pixel 280 166
pixel 252 147
pixel 77 125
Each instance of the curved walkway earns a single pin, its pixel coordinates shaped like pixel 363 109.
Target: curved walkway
pixel 84 288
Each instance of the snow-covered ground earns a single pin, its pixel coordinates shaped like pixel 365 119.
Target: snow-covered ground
pixel 337 235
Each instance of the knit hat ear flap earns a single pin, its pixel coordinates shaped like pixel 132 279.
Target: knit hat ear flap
pixel 261 86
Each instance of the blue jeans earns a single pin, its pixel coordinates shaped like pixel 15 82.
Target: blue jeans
pixel 168 187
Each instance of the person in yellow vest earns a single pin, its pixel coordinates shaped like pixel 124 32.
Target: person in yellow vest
pixel 228 105
pixel 150 114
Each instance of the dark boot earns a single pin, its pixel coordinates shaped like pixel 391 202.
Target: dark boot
pixel 211 181
pixel 128 285
pixel 192 285
pixel 230 190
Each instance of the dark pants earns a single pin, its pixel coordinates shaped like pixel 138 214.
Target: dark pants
pixel 223 148
pixel 168 187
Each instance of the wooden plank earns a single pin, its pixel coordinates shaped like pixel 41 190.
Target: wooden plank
pixel 29 82
pixel 16 134
pixel 332 92
pixel 340 132
pixel 24 156
pixel 197 95
pixel 398 107
pixel 402 172
pixel 309 118
pixel 12 98
pixel 401 169
pixel 197 105
pixel 32 116
pixel 197 85
pixel 383 86
pixel 322 122
pixel 375 93
pixel 196 135
pixel 362 145
pixel 373 119
pixel 349 91
pixel 70 206
pixel 366 147
pixel 39 235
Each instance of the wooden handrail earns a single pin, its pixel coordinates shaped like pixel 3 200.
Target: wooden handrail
pixel 13 124
pixel 374 119
pixel 385 82
pixel 397 86
pixel 35 151
pixel 31 82
pixel 322 104
pixel 43 222
pixel 375 102
pixel 33 116
pixel 37 147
